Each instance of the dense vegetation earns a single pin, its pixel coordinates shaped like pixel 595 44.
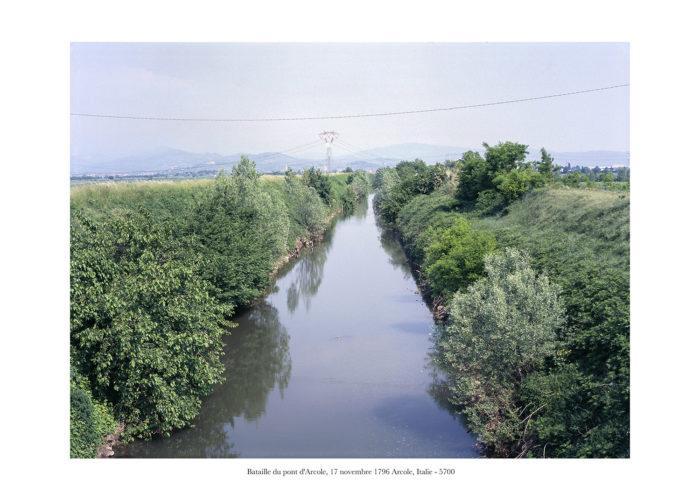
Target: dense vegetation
pixel 90 420
pixel 531 272
pixel 157 270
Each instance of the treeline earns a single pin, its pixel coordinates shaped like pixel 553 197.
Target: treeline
pixel 158 270
pixel 598 174
pixel 531 279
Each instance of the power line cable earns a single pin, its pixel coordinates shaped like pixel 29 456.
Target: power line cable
pixel 354 150
pixel 349 116
pixel 295 150
pixel 355 154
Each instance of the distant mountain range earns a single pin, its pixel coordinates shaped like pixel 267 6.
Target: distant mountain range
pixel 166 160
pixel 176 160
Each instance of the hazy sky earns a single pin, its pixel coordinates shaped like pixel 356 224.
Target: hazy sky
pixel 280 80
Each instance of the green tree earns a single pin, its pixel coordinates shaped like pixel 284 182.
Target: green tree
pixel 515 183
pixel 607 178
pixel 546 166
pixel 477 174
pixel 474 177
pixel 241 231
pixel 502 328
pixel 316 179
pixel 144 327
pixel 396 187
pixel 305 206
pixel 455 257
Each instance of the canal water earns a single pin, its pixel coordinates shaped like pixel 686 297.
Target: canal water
pixel 335 362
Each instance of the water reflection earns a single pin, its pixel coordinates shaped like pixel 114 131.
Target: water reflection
pixel 392 247
pixel 308 275
pixel 257 361
pixel 308 271
pixel 363 384
pixel 439 389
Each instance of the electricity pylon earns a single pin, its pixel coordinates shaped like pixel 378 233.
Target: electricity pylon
pixel 328 136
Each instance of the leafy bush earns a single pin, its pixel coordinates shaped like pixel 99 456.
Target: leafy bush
pixel 155 270
pixel 433 211
pixel 514 184
pixel 144 327
pixel 503 169
pixel 580 238
pixel 397 186
pixel 358 184
pixel 474 177
pixel 241 231
pixel 455 257
pixel 90 420
pixel 581 415
pixel 316 179
pixel 304 206
pixel 502 328
pixel 577 402
pixel 490 202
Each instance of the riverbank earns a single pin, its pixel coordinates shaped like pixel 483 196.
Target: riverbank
pixel 334 362
pixel 568 250
pixel 176 259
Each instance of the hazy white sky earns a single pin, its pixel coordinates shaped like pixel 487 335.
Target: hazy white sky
pixel 280 80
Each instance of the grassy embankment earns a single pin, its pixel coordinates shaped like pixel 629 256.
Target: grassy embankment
pixel 157 268
pixel 535 340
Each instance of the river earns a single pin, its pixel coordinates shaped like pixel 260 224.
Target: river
pixel 335 362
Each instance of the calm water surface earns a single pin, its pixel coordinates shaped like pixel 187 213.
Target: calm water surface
pixel 334 363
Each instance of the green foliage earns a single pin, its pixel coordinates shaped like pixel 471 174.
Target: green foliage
pixel 144 327
pixel 316 179
pixel 581 415
pixel 506 156
pixel 358 187
pixel 577 402
pixel 474 177
pixel 501 329
pixel 241 231
pixel 455 257
pixel 502 171
pixel 490 202
pixel 305 207
pixel 389 198
pixel 396 187
pixel 384 177
pixel 155 270
pixel 90 420
pixel 546 166
pixel 515 183
pixel 581 239
pixel 574 179
pixel 422 212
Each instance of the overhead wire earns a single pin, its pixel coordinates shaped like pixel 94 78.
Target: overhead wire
pixel 349 116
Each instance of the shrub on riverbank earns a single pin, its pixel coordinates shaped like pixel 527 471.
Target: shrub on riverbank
pixel 576 401
pixel 90 419
pixel 397 186
pixel 156 268
pixel 145 328
pixel 455 256
pixel 502 328
pixel 240 230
